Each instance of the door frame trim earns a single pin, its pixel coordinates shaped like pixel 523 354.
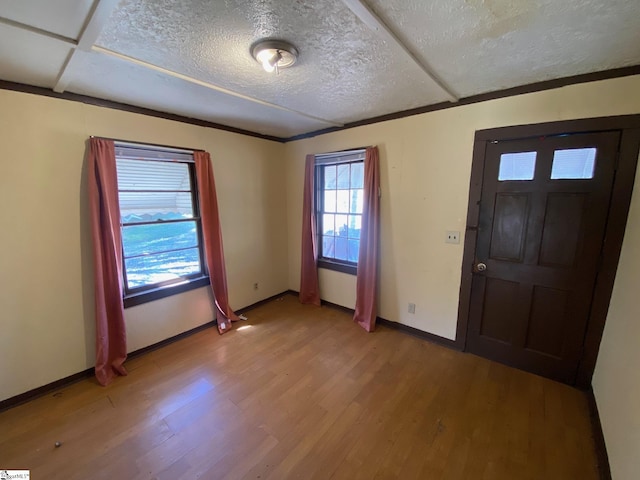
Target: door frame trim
pixel 629 127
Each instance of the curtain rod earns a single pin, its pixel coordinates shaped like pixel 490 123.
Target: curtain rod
pixel 147 145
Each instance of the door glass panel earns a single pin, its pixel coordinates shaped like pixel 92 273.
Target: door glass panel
pixel 573 163
pixel 517 166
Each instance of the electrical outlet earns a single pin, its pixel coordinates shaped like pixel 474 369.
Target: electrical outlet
pixel 452 237
pixel 412 308
pixel 255 286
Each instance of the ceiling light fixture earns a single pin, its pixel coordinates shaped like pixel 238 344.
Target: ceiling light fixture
pixel 274 54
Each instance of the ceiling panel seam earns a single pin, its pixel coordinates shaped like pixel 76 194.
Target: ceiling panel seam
pixel 39 31
pixel 96 19
pixel 375 23
pixel 101 12
pixel 226 91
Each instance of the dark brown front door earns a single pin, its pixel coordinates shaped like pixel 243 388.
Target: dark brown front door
pixel 543 213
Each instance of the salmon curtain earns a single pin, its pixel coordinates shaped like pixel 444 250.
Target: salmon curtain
pixel 366 284
pixel 111 341
pixel 212 236
pixel 309 287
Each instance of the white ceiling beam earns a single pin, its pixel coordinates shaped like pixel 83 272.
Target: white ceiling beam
pixel 39 31
pixel 208 85
pixel 375 23
pixel 93 25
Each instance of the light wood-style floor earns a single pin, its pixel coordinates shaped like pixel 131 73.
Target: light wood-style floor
pixel 305 393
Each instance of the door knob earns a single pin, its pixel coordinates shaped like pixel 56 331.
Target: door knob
pixel 481 267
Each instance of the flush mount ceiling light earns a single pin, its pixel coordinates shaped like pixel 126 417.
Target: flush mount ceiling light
pixel 274 54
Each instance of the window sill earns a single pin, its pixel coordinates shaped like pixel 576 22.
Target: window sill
pixel 163 292
pixel 338 267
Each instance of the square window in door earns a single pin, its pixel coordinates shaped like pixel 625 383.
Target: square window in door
pixel 517 166
pixel 574 163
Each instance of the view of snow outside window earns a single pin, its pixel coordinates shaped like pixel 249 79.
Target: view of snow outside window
pixel 342 211
pixel 159 234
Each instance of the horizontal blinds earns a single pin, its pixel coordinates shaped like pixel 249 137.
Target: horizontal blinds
pixel 146 152
pixel 152 175
pixel 153 184
pixel 340 157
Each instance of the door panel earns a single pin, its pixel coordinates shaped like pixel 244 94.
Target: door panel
pixel 561 228
pixel 500 302
pixel 543 214
pixel 509 228
pixel 548 310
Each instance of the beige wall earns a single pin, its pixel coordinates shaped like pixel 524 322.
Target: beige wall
pixel 425 163
pixel 46 297
pixel 425 169
pixel 616 382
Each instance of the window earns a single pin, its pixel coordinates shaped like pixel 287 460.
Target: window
pixel 517 166
pixel 160 222
pixel 339 200
pixel 573 163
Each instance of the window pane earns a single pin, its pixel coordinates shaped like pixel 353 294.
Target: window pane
pixel 357 201
pixel 328 224
pixel 354 226
pixel 341 225
pixel 517 166
pixel 341 248
pixel 343 201
pixel 353 250
pixel 573 163
pixel 330 177
pixel 150 175
pixel 143 239
pixel 328 249
pixel 343 176
pixel 357 175
pixel 149 207
pixel 329 200
pixel 161 267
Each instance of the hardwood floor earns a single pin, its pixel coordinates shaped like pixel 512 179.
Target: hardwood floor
pixel 302 392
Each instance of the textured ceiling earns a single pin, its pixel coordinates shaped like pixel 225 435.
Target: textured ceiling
pixel 339 68
pixel 480 46
pixel 191 57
